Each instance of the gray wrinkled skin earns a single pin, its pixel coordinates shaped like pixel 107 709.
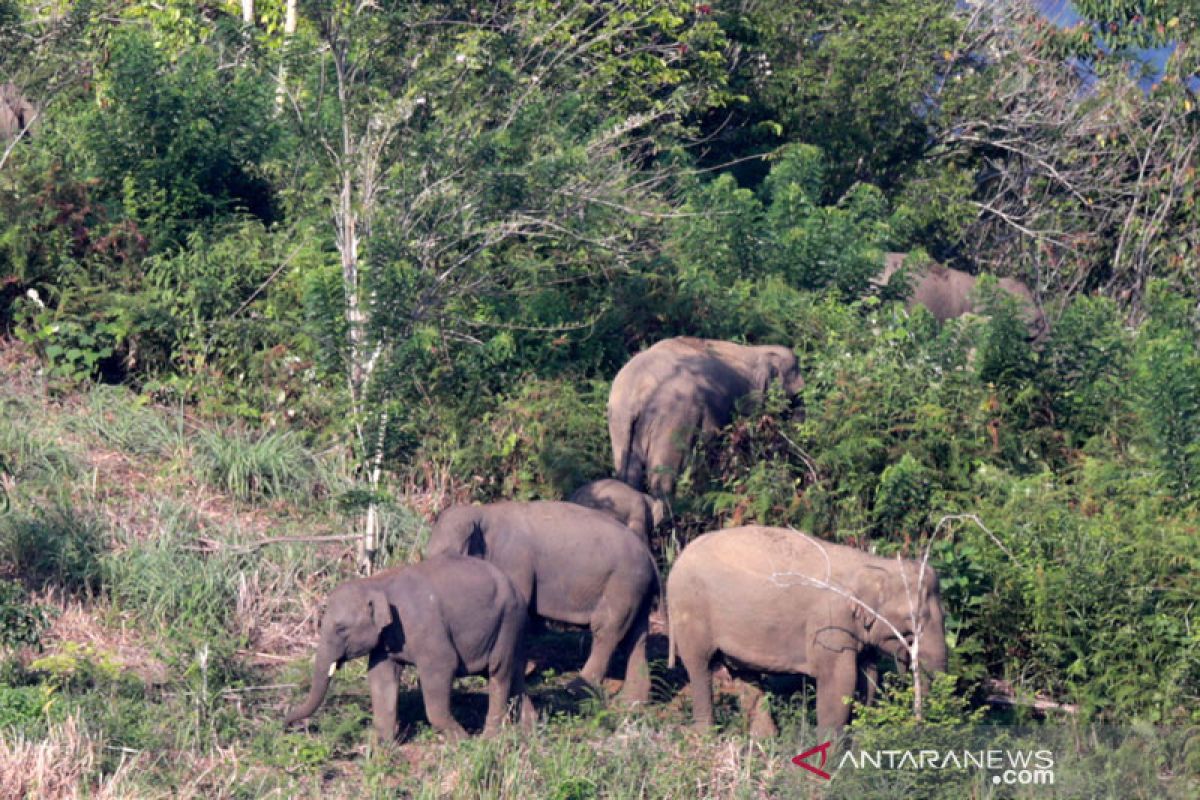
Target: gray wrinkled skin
pixel 668 394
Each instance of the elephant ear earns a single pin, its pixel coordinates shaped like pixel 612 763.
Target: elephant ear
pixel 764 372
pixel 380 610
pixel 869 594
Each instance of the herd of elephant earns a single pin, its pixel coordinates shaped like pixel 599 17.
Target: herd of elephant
pixel 759 599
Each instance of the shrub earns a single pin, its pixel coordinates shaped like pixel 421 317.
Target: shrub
pixel 543 441
pixel 21 622
pixel 1167 386
pixel 1085 367
pixel 56 545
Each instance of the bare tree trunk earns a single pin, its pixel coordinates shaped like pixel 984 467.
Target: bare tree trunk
pixel 248 12
pixel 289 29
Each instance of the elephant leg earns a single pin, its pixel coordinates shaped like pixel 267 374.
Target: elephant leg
pixel 500 684
pixel 637 668
pixel 697 660
pixel 436 681
pixel 517 690
pixel 608 629
pixel 383 676
pixel 834 684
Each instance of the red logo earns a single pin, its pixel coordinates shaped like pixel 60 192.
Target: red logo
pixel 823 749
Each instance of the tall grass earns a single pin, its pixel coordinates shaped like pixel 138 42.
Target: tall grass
pixel 253 465
pixel 171 585
pixel 64 764
pixel 55 544
pixel 117 417
pixel 27 452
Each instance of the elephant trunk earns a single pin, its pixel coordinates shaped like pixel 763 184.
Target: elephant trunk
pixel 932 653
pixel 324 665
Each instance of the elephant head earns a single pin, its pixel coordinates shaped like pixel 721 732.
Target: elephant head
pixel 774 362
pixel 354 622
pixel 910 600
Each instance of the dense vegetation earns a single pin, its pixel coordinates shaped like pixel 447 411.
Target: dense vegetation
pixel 258 279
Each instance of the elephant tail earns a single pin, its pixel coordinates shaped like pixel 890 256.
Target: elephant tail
pixel 622 425
pixel 662 607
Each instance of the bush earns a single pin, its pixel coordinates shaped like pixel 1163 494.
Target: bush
pixel 1085 368
pixel 541 442
pixel 56 545
pixel 21 622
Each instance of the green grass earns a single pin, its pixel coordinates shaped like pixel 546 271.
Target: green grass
pixel 55 543
pixel 256 465
pixel 113 418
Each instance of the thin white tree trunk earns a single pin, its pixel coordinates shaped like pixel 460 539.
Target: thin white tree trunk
pixel 289 28
pixel 248 12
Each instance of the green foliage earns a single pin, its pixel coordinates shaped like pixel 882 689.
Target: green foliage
pixel 55 544
pixel 252 465
pixel 23 709
pixel 21 622
pixel 1004 357
pixel 1088 592
pixel 1167 386
pixel 903 496
pixel 177 143
pixel 543 441
pixel 168 583
pixel 1086 367
pixel 732 238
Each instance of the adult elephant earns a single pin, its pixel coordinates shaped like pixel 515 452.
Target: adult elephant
pixel 665 395
pixel 639 512
pixel 949 293
pixel 449 616
pixel 571 564
pixel 779 601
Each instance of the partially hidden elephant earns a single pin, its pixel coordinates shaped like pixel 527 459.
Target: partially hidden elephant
pixel 448 615
pixel 949 293
pixel 571 564
pixel 16 112
pixel 669 393
pixel 776 600
pixel 637 511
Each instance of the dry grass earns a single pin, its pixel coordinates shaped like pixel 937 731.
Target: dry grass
pixel 59 766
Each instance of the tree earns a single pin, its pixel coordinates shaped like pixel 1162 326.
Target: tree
pixel 509 149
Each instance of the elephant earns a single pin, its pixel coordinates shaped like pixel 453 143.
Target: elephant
pixel 949 293
pixel 669 392
pixel 448 615
pixel 571 564
pixel 639 512
pixel 16 112
pixel 776 600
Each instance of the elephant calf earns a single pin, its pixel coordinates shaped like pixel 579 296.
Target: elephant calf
pixel 639 512
pixel 449 616
pixel 777 600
